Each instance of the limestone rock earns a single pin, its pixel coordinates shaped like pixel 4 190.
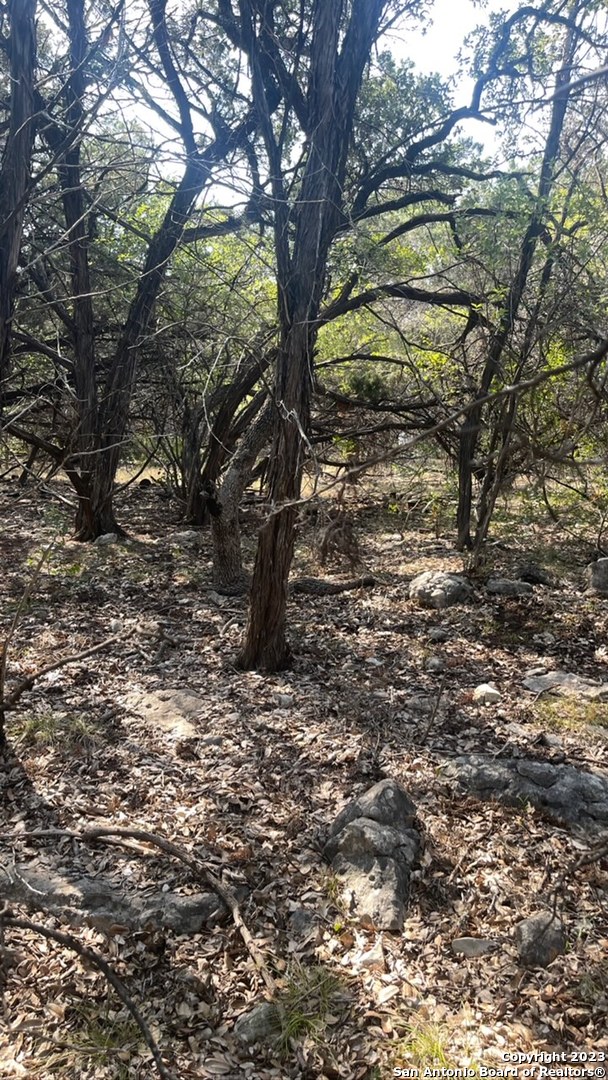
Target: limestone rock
pixel 506 587
pixel 486 694
pixel 566 794
pixel 597 577
pixel 377 888
pixel 439 589
pixel 174 711
pixel 106 539
pixel 472 947
pixel 366 837
pixel 262 1023
pixel 78 899
pixel 539 939
pixel 372 848
pixel 566 684
pixel 386 802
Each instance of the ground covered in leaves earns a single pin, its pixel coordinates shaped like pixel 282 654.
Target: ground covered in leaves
pixel 252 791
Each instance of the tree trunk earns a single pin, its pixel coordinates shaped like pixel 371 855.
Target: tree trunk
pixel 340 45
pixel 469 434
pixel 228 573
pixel 95 490
pixel 195 501
pixel 16 164
pixel 265 646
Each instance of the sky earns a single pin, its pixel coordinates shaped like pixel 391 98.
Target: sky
pixel 452 21
pixel 437 49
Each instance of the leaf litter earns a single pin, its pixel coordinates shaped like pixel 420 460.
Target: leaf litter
pixel 251 792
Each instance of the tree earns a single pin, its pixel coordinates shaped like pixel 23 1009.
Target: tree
pixel 323 100
pixel 101 387
pixel 505 332
pixel 15 170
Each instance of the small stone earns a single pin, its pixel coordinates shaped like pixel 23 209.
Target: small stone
pixel 438 634
pixel 597 577
pixel 485 694
pixel 284 701
pixel 212 740
pixel 189 536
pixel 553 741
pixel 372 959
pixel 539 939
pixel 105 539
pixel 472 947
pixel 434 665
pixel 261 1023
pixel 506 587
pixel 304 925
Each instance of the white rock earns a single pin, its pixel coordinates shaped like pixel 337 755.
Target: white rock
pixel 434 665
pixel 106 538
pixel 471 947
pixel 189 536
pixel 597 577
pixel 567 684
pixel 486 694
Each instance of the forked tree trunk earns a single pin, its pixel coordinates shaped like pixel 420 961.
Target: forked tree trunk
pixel 95 514
pixel 265 646
pixel 340 46
pixel 228 573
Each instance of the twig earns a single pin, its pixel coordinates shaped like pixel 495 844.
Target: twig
pixel 598 852
pixel 94 958
pixel 197 867
pixel 425 733
pixel 26 684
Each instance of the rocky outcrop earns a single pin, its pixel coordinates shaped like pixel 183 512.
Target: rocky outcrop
pixel 81 899
pixel 439 589
pixel 567 684
pixel 564 793
pixel 372 848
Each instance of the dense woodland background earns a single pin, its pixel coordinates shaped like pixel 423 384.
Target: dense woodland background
pixel 265 282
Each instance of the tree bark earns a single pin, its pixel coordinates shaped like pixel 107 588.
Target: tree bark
pixel 326 112
pixel 16 163
pixel 228 573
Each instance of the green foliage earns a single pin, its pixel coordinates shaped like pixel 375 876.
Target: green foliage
pixel 63 731
pixel 571 714
pixel 395 105
pixel 305 1004
pixel 96 1038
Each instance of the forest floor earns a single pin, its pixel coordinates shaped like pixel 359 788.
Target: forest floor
pixel 274 760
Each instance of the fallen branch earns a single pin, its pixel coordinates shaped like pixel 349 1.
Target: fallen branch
pixel 94 958
pixel 199 870
pixel 11 700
